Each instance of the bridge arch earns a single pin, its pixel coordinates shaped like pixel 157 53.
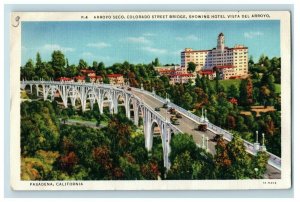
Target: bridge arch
pixel 90 97
pixel 107 101
pixel 111 96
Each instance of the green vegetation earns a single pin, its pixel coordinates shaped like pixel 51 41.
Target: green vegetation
pixel 277 88
pixel 115 152
pixel 227 83
pixel 53 150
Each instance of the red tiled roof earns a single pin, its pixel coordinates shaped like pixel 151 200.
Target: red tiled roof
pixel 206 71
pixel 182 75
pixel 114 75
pixel 95 77
pixel 166 70
pixel 79 77
pixel 64 79
pixel 87 71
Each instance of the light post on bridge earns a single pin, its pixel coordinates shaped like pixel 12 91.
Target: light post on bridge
pixel 142 87
pixel 167 101
pixel 256 144
pixel 256 173
pixel 205 117
pixel 202 117
pixel 263 147
pixel 153 91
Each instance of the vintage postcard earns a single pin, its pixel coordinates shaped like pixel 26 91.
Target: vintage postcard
pixel 150 100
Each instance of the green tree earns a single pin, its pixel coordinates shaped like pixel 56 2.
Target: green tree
pixel 58 63
pixel 233 91
pixel 28 71
pixel 191 67
pixel 39 129
pixel 156 63
pixel 246 92
pixel 187 100
pixel 38 63
pixel 82 64
pixel 95 65
pixel 198 82
pixel 240 160
pixel 222 159
pixel 182 167
pixel 260 163
pixel 130 169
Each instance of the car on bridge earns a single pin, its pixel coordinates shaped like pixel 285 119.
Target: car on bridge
pixel 218 137
pixel 175 122
pixel 165 106
pixel 172 111
pixel 178 115
pixel 202 127
pixel 157 109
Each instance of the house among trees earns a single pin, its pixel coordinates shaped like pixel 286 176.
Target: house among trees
pixel 170 70
pixel 209 73
pixel 65 79
pixel 79 79
pixel 182 78
pixel 88 72
pixel 96 79
pixel 116 79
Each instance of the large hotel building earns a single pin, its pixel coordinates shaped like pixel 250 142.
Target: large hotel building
pixel 230 62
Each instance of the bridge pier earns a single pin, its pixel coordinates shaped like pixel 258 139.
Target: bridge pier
pixel 135 113
pixel 37 90
pixel 111 107
pixel 166 139
pixel 64 96
pixel 92 103
pixel 100 106
pixel 83 105
pixel 73 101
pixel 115 105
pixel 147 130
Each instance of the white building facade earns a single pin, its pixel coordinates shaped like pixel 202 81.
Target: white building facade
pixel 230 62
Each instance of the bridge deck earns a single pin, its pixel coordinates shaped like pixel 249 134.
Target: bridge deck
pixel 189 126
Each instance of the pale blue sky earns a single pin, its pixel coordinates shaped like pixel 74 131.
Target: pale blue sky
pixel 142 41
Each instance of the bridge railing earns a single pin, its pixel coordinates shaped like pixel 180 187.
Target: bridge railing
pixel 274 160
pixel 174 128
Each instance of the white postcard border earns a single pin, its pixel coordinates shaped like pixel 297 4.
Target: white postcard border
pixel 15 62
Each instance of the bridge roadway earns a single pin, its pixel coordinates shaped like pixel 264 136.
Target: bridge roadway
pixel 189 126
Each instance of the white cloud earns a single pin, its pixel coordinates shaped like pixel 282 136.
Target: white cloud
pixel 86 54
pixel 251 35
pixel 149 34
pixel 52 47
pixel 155 50
pixel 187 38
pixel 98 45
pixel 140 39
